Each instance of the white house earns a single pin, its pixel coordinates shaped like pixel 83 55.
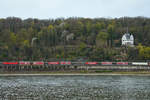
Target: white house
pixel 128 39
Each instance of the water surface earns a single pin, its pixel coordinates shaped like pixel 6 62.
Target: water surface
pixel 76 87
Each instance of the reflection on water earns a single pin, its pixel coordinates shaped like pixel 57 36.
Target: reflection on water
pixel 76 87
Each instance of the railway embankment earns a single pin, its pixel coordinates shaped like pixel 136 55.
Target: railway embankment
pixel 75 72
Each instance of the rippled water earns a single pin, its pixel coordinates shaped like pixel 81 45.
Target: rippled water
pixel 76 87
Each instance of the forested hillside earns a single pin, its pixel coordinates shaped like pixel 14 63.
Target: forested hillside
pixel 73 39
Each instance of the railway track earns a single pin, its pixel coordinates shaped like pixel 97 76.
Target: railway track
pixel 68 65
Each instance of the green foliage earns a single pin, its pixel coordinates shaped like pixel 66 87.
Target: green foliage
pixel 82 46
pixel 102 36
pixel 144 52
pixel 94 39
pixel 101 39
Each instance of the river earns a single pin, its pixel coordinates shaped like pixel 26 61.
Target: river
pixel 102 87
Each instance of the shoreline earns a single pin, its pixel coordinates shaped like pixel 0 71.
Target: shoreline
pixel 75 74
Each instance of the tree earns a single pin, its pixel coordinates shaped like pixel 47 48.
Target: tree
pixel 144 52
pixel 110 30
pixel 101 39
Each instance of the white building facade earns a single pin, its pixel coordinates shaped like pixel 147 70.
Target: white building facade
pixel 128 39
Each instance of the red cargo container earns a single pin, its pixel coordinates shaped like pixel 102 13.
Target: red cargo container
pixel 122 63
pixel 53 63
pixel 91 63
pixel 65 63
pixel 106 63
pixel 10 63
pixel 38 63
pixel 24 63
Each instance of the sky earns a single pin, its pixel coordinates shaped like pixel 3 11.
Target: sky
pixel 47 9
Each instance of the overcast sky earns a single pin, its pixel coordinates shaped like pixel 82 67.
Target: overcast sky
pixel 45 9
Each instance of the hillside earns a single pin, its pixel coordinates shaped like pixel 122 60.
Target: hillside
pixel 73 39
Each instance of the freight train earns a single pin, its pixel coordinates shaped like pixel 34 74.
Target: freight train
pixel 70 63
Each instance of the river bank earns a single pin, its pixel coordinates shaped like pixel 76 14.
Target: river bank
pixel 72 73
